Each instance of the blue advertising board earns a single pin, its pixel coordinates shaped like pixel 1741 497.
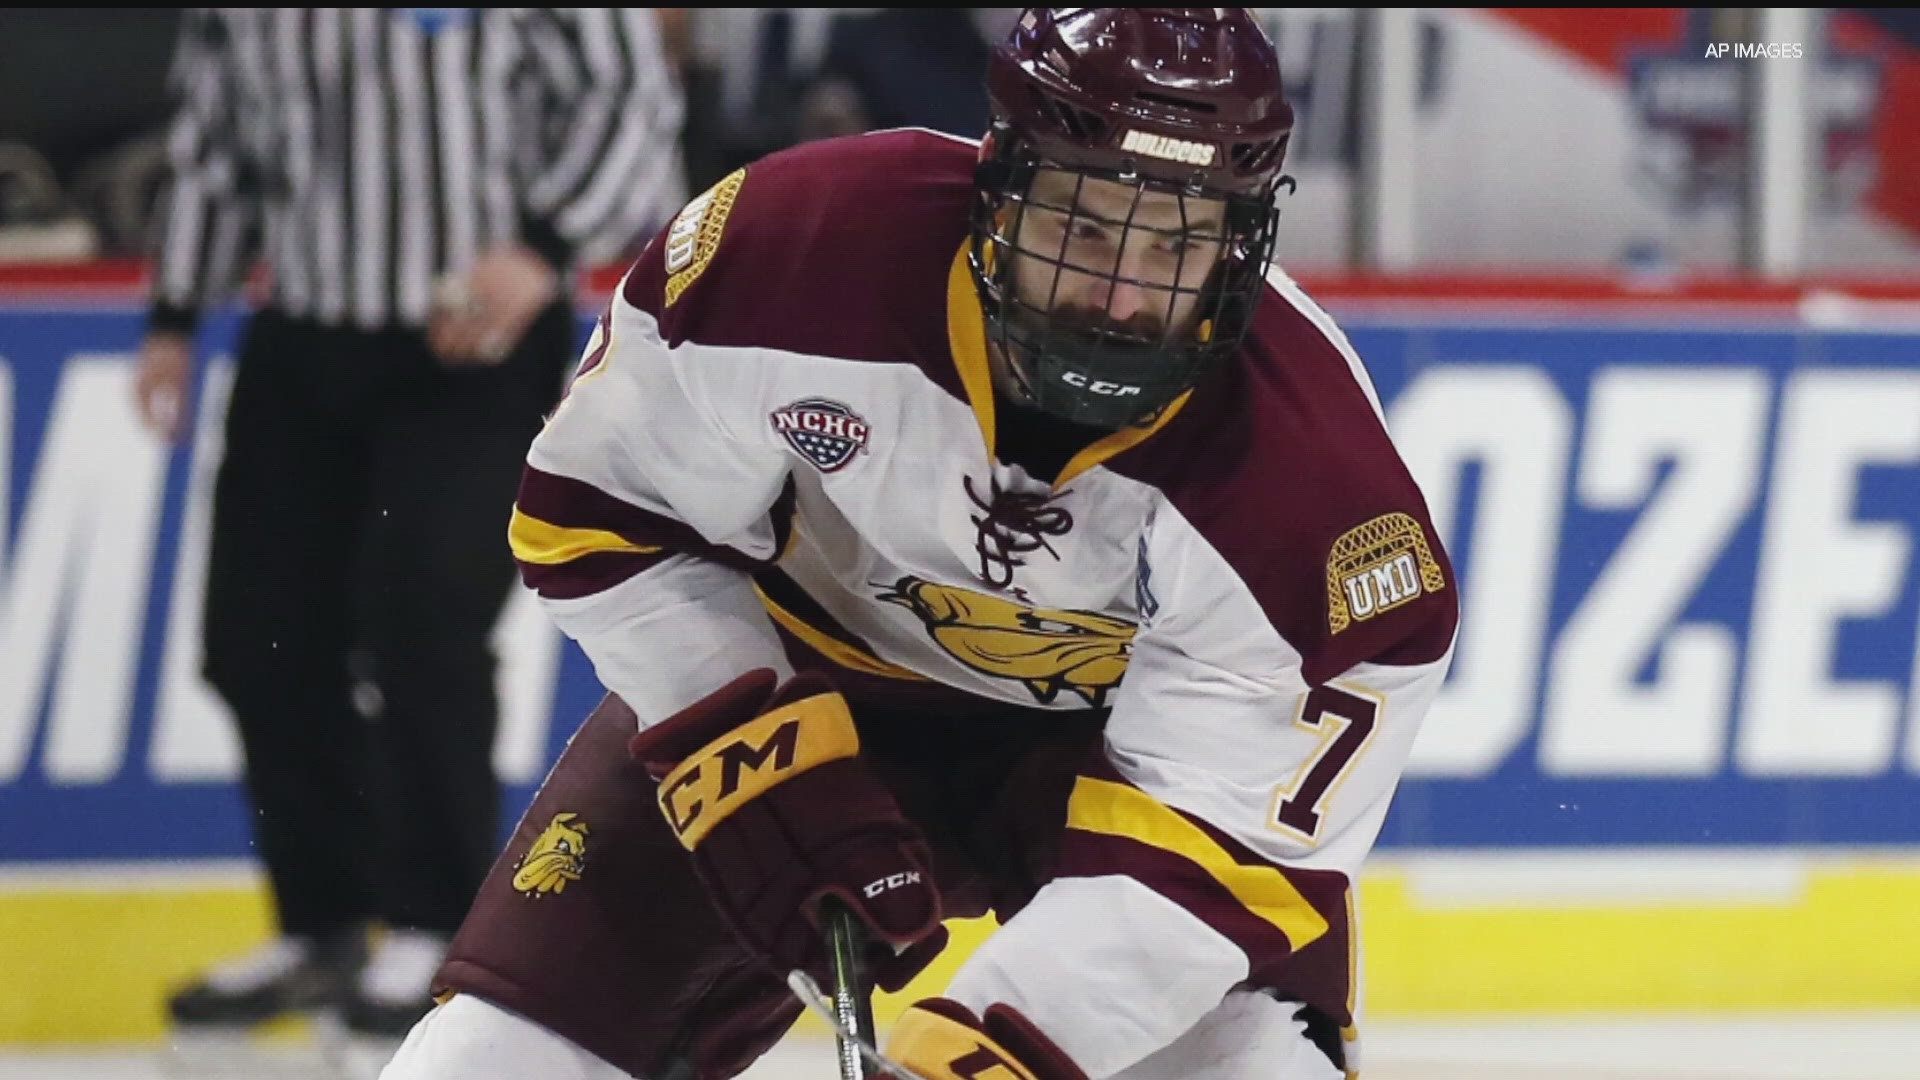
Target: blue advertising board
pixel 1686 553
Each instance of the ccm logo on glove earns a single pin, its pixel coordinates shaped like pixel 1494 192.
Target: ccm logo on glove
pixel 764 785
pixel 891 881
pixel 744 764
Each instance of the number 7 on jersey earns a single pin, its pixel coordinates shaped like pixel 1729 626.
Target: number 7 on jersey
pixel 1344 721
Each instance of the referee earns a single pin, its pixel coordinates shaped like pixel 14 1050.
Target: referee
pixel 419 183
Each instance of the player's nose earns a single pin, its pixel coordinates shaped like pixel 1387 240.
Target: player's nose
pixel 1124 300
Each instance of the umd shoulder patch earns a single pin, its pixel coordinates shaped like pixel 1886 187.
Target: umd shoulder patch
pixel 1378 567
pixel 695 233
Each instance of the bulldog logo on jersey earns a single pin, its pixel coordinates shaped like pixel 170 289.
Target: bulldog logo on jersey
pixel 1378 567
pixel 824 432
pixel 558 855
pixel 1046 649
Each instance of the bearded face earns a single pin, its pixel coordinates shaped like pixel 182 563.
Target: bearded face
pixel 1099 255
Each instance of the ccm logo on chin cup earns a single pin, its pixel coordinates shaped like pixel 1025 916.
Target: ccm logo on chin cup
pixel 1099 386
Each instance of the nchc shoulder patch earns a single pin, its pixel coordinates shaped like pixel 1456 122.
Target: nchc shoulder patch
pixel 1378 567
pixel 695 233
pixel 824 432
pixel 558 855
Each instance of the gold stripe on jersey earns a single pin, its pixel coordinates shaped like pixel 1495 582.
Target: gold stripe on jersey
pixel 847 656
pixel 1102 806
pixel 967 338
pixel 1351 1033
pixel 1118 441
pixel 546 544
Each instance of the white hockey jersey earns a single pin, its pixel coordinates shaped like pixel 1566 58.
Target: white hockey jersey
pixel 785 419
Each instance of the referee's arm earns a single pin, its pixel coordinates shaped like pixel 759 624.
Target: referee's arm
pixel 208 236
pixel 621 111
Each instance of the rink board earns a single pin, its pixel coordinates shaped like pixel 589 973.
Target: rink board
pixel 91 959
pixel 1686 553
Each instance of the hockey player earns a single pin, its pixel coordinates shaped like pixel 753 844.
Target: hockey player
pixel 963 528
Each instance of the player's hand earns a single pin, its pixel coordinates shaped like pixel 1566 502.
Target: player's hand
pixel 479 316
pixel 765 786
pixel 161 384
pixel 937 1038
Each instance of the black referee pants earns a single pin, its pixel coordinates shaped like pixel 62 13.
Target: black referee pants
pixel 359 542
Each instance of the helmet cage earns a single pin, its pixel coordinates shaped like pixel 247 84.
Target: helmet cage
pixel 1106 375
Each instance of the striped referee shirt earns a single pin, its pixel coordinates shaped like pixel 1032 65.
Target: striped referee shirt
pixel 365 151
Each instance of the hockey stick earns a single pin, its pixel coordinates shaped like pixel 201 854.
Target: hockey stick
pixel 850 1012
pixel 814 998
pixel 852 1001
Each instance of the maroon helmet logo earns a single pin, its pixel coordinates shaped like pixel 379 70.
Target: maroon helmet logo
pixel 826 433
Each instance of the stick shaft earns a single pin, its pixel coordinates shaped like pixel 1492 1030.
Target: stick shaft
pixel 852 1001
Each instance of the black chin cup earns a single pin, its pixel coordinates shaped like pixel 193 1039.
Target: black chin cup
pixel 1089 377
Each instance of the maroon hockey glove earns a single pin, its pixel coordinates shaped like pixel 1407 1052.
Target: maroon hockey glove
pixel 941 1039
pixel 767 790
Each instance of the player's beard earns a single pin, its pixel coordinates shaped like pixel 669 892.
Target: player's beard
pixel 1058 349
pixel 1096 324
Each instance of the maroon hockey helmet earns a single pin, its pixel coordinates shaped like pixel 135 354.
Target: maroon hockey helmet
pixel 1184 102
